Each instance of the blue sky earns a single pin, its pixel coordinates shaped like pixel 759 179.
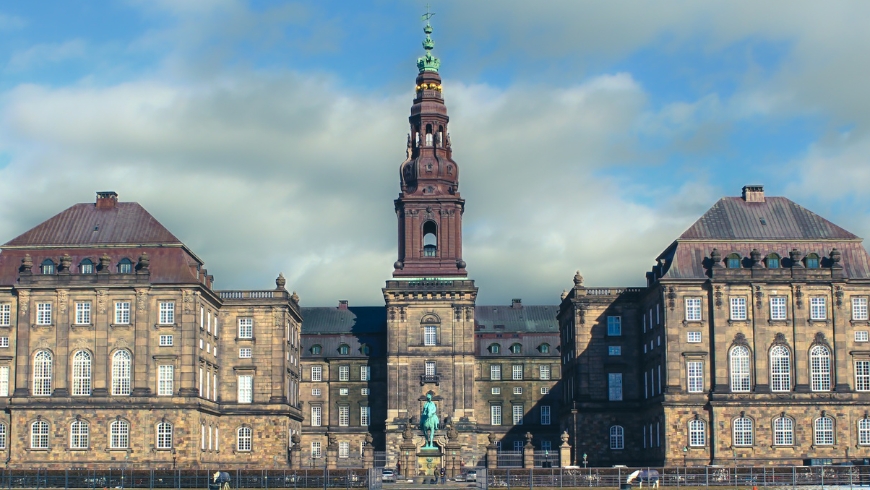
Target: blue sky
pixel 267 135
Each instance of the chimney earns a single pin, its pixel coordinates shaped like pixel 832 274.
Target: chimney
pixel 753 193
pixel 517 304
pixel 342 304
pixel 107 200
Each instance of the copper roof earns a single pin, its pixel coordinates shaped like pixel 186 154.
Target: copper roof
pixel 86 224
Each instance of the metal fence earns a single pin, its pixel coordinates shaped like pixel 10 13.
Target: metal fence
pixel 508 459
pixel 711 476
pixel 101 479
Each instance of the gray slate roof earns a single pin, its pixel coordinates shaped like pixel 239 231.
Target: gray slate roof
pixel 510 319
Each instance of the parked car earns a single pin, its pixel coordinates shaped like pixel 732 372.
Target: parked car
pixel 470 475
pixel 388 476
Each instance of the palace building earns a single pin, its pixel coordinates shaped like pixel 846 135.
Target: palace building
pixel 749 342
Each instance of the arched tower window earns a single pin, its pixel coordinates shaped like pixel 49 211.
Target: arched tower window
pixel 430 239
pixel 428 135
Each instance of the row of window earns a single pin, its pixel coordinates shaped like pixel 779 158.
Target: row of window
pixel 343 349
pixel 517 372
pixel 740 365
pixel 80 431
pixel 43 367
pixel 517 348
pixel 341 391
pixel 778 308
pixel 365 416
pixel 517 414
pixel 86 266
pixel 343 449
pixel 83 313
pixel 365 373
pixel 772 261
pixel 518 390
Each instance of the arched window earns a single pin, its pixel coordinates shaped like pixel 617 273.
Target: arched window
pixel 316 349
pixel 119 432
pixel 617 437
pixel 812 261
pixel 772 261
pixel 125 266
pixel 86 267
pixel 78 435
pixel 544 348
pixel 742 432
pixel 430 325
pixel 428 135
pixel 823 431
pixel 164 435
pixel 780 369
pixel 2 436
pixel 39 435
pixel 739 358
pixel 494 349
pixel 121 369
pixel 344 349
pixel 732 261
pixel 783 431
pixel 430 239
pixel 42 364
pixel 697 433
pixel 81 373
pixel 864 432
pixel 516 349
pixel 820 368
pixel 243 439
pixel 47 267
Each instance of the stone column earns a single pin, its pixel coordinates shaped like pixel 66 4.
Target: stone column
pixel 408 452
pixel 368 455
pixel 528 452
pixel 491 452
pixel 62 350
pixel 142 344
pixel 565 451
pixel 331 451
pixel 452 458
pixel 22 343
pixel 295 452
pixel 188 366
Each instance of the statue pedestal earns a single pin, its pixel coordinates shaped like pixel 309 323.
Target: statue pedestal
pixel 429 461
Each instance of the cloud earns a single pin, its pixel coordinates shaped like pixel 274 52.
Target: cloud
pixel 11 22
pixel 42 54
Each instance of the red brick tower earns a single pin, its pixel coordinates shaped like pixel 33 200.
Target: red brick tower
pixel 429 208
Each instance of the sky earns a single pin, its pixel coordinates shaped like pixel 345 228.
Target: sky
pixel 267 135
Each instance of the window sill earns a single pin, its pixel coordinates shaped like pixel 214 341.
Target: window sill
pixel 246 339
pixel 165 325
pixel 120 325
pixel 42 325
pixel 119 449
pixel 82 326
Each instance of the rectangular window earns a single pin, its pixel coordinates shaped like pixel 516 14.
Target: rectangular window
pixel 695 375
pixel 429 368
pixel 4 341
pixel 246 353
pixel 544 371
pixel 862 336
pixel 862 375
pixel 495 372
pixel 614 386
pixel 430 335
pixel 693 309
pixel 738 308
pixel 365 416
pixel 343 415
pixel 83 313
pixel 614 350
pixel 614 326
pixel 365 373
pixel 43 313
pixel 316 415
pixel 167 312
pixel 496 390
pixel 201 344
pixel 246 328
pixel 165 340
pixel 343 449
pixel 4 381
pixel 344 373
pixel 545 415
pixel 818 309
pixel 246 389
pixel 518 390
pixel 518 412
pixel 5 314
pixel 777 308
pixel 316 373
pixel 545 390
pixel 165 377
pixel 315 391
pixel 495 414
pixel 693 337
pixel 315 449
pixel 518 446
pixel 517 371
pixel 343 391
pixel 122 313
pixel 364 391
pixel 859 309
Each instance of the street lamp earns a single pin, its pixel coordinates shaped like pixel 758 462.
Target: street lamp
pixel 734 453
pixel 589 476
pixel 685 453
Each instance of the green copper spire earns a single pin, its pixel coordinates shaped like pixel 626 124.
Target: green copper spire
pixel 428 62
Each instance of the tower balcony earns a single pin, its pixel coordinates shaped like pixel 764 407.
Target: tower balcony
pixel 430 378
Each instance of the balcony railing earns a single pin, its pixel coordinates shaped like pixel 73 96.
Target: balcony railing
pixel 430 378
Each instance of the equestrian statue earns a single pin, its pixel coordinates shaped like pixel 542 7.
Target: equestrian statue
pixel 429 420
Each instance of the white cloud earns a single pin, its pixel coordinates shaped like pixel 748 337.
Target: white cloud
pixel 11 22
pixel 42 54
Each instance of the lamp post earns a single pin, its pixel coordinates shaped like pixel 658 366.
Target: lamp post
pixel 685 453
pixel 453 469
pixel 173 458
pixel 734 453
pixel 589 475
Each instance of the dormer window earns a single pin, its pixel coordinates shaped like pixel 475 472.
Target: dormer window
pixel 494 349
pixel 125 266
pixel 516 349
pixel 365 350
pixel 86 267
pixel 772 261
pixel 344 349
pixel 316 349
pixel 812 261
pixel 544 348
pixel 47 267
pixel 732 261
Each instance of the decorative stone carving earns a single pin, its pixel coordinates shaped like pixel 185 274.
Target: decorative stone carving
pixel 296 438
pixel 564 293
pixel 452 433
pixel 141 297
pixel 144 262
pixel 798 297
pixel 740 339
pixel 819 339
pixel 716 258
pixel 81 344
pixel 65 263
pixel 101 300
pixel 779 339
pixel 369 439
pixel 717 294
pixel 528 437
pixel 407 435
pixel 578 280
pixel 491 438
pixel 795 255
pixel 759 297
pixel 187 299
pixel 42 344
pixel 835 259
pixel 121 344
pixel 469 314
pixel 105 263
pixel 61 300
pixel 672 298
pixel 838 296
pixel 565 438
pixel 294 297
pixel 23 300
pixel 280 282
pixel 26 264
pixel 755 255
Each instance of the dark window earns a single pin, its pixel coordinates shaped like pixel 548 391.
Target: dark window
pixel 125 266
pixel 494 349
pixel 517 349
pixel 47 266
pixel 344 349
pixel 812 261
pixel 733 261
pixel 773 261
pixel 315 349
pixel 430 239
pixel 544 348
pixel 86 267
pixel 366 350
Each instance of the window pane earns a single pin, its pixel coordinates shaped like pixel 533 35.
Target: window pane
pixel 740 369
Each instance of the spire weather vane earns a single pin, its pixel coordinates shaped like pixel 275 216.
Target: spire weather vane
pixel 427 15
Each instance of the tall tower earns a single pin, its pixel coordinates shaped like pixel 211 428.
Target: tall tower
pixel 430 302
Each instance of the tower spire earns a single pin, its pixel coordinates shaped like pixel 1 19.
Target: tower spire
pixel 428 62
